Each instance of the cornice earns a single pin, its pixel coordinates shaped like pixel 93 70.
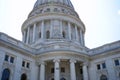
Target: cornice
pixel 53 15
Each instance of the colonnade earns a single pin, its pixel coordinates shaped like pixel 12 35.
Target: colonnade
pixel 57 70
pixel 79 35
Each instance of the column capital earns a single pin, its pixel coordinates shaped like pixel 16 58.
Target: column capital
pixel 85 63
pixel 73 61
pixel 56 60
pixel 41 63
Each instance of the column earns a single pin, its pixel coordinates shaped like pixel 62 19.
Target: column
pixel 34 32
pixel 85 72
pixel 69 30
pixel 42 30
pixel 57 69
pixel 81 37
pixel 28 35
pixel 51 28
pixel 72 69
pixel 24 36
pixel 61 28
pixel 42 71
pixel 76 33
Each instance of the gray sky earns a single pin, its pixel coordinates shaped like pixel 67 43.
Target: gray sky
pixel 101 18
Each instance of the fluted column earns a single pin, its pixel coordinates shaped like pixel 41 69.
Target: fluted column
pixel 61 28
pixel 85 72
pixel 24 36
pixel 34 32
pixel 72 70
pixel 76 33
pixel 51 28
pixel 28 35
pixel 69 30
pixel 81 37
pixel 42 71
pixel 42 30
pixel 57 69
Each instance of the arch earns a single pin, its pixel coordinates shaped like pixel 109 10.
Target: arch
pixel 103 77
pixel 6 74
pixel 62 79
pixel 23 77
pixel 63 33
pixel 47 34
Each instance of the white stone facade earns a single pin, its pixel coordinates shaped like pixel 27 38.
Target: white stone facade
pixel 53 48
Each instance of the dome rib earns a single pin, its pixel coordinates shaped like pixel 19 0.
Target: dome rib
pixel 64 2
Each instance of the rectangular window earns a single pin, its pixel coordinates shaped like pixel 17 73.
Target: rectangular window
pixel 103 65
pixel 62 69
pixel 28 65
pixel 98 67
pixel 12 60
pixel 6 57
pixel 117 62
pixel 23 64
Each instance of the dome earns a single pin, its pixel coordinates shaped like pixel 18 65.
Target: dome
pixel 53 24
pixel 64 2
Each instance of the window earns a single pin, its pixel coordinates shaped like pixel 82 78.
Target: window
pixel 62 69
pixel 117 62
pixel 12 60
pixel 6 57
pixel 55 9
pixel 23 76
pixel 47 34
pixel 63 10
pixel 48 10
pixel 103 65
pixel 39 34
pixel 6 74
pixel 103 77
pixel 23 64
pixel 98 67
pixel 62 79
pixel 52 70
pixel 63 33
pixel 28 65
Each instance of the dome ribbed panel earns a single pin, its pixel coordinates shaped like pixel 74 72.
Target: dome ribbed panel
pixel 64 2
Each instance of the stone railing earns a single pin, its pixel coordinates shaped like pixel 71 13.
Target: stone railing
pixel 9 40
pixel 105 48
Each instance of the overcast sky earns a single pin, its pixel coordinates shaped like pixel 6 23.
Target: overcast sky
pixel 101 18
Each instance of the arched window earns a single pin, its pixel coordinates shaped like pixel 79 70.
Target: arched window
pixel 62 79
pixel 6 74
pixel 47 34
pixel 23 76
pixel 63 33
pixel 103 77
pixel 39 34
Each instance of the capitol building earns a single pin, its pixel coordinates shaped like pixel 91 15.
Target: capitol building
pixel 53 48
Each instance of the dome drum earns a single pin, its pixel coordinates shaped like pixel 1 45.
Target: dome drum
pixel 54 29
